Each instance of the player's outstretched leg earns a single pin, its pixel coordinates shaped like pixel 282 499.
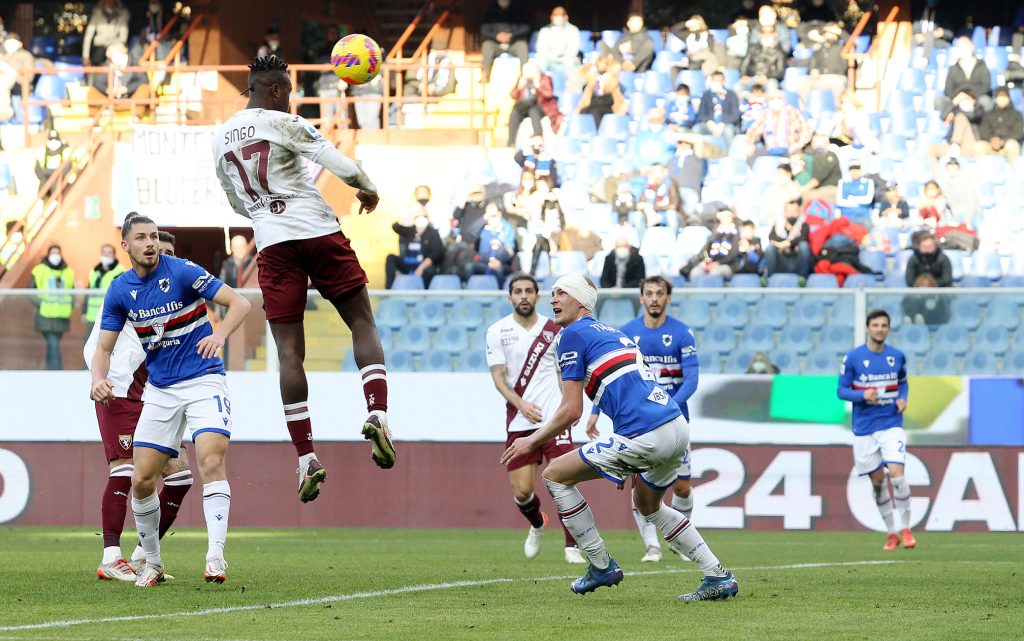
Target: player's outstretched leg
pixel 561 476
pixel 901 496
pixel 354 308
pixel 177 483
pixel 210 450
pixel 649 534
pixel 291 352
pixel 113 507
pixel 146 508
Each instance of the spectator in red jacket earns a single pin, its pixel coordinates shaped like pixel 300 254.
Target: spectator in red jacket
pixel 535 98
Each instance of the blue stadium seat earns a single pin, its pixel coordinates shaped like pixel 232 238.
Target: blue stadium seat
pixel 913 81
pixel 893 146
pixel 1003 312
pixel 987 264
pixel 399 361
pixel 938 363
pixel 586 43
pixel 905 123
pixel 952 339
pixel 717 339
pixel 445 282
pixel 785 361
pixel 429 313
pixel 610 36
pixel 862 44
pixel 50 87
pixel 759 338
pixel 855 281
pixel 588 170
pixel 765 167
pixel 1013 363
pixel 706 281
pixel 482 282
pixel 451 339
pixel 1012 280
pixel 745 280
pixel 694 79
pixel 733 312
pixel 43 46
pixel 5 175
pixel 835 339
pixel 974 280
pixel 822 281
pixel 546 284
pixel 435 360
pixel 896 280
pixel 639 104
pixel 655 35
pixel 568 262
pixel 914 339
pixel 616 311
pixel 809 311
pixel 657 84
pixel 992 338
pixel 820 102
pixel 711 362
pixel 737 361
pixel 979 363
pixel 497 312
pixel 695 312
pixel 956 260
pixel 614 127
pixel 628 81
pixel 392 314
pixel 582 127
pixel 413 338
pixel 873 259
pixel 798 339
pixel 792 78
pixel 785 281
pixel 467 313
pixel 35 113
pixel 821 363
pixel 407 281
pixel 964 312
pixel 473 360
pixel 771 311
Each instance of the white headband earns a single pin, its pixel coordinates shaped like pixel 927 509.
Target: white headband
pixel 577 286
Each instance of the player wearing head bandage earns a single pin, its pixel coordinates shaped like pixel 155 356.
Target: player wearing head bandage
pixel 649 440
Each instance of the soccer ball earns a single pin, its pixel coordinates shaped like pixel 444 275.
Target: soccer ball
pixel 356 59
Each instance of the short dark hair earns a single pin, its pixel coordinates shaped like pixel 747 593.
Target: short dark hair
pixel 166 237
pixel 657 280
pixel 757 87
pixel 683 85
pixel 518 276
pixel 747 223
pixel 132 220
pixel 260 64
pixel 877 313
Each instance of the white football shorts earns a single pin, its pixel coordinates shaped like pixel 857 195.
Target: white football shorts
pixel 201 404
pixel 655 456
pixel 883 447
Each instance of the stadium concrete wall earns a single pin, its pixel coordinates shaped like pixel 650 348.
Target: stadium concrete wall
pixel 758 487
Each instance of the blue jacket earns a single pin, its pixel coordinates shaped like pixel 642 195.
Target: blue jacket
pixel 730 107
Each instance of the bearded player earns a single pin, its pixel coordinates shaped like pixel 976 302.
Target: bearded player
pixel 117 419
pixel 670 352
pixel 522 362
pixel 258 153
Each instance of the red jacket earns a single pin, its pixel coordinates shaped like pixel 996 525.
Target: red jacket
pixel 546 100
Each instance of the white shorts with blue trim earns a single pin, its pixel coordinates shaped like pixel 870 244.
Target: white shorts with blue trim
pixel 655 456
pixel 200 404
pixel 884 447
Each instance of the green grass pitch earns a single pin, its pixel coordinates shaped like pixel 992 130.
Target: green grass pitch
pixel 457 584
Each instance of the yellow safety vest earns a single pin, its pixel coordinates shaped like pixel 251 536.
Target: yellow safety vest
pixel 48 278
pixel 92 305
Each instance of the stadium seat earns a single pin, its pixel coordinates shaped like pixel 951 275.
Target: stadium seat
pixel 43 46
pixel 610 36
pixel 733 312
pixel 979 363
pixel 567 150
pixel 835 339
pixel 855 281
pixel 568 262
pixel 413 338
pixel 798 339
pixel 819 102
pixel 399 361
pixel 658 241
pixel 616 312
pixel 913 81
pixel 893 304
pixel 706 281
pixel 452 339
pixel 1012 280
pixel 822 281
pixel 407 281
pixel 628 81
pixel 657 84
pixel 695 312
pixel 445 282
pixel 497 312
pixel 974 280
pixel 482 282
pixel 737 361
pixel 711 362
pixel 50 87
pixel 793 77
pixel 694 79
pixel 429 313
pixel 581 127
pixel 809 310
pixel 785 361
pixel 586 43
pixel 435 360
pixel 392 314
pixel 987 265
pixel 772 312
pixel 5 175
pixel 473 360
pixel 1003 312
pixel 873 259
pixel 896 280
pixel 938 363
pixel 745 281
pixel 914 339
pixel 953 339
pixel 691 240
pixel 467 313
pixel 588 170
pixel 956 260
pixel 665 61
pixel 992 338
pixel 1013 363
pixel 759 338
pixel 765 167
pixel 821 363
pixel 784 281
pixel 718 339
pixel 614 127
pixel 639 104
pixel 964 312
pixel 36 113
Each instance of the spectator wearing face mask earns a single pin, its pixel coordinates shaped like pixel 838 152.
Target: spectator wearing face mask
pixel 496 247
pixel 634 49
pixel 679 111
pixel 420 250
pixel 100 278
pixel 928 258
pixel 827 67
pixel 505 29
pixel 719 111
pixel 534 98
pixel 701 48
pixel 546 225
pixel 108 25
pixel 53 310
pixel 659 200
pixel 537 160
pixel 721 252
pixel 768 22
pixel 854 196
pixel 655 142
pixel 121 85
pixel 601 92
pixel 271 43
pixel 688 171
pixel 468 217
pixel 558 44
pixel 623 267
pixel 765 64
pixel 1001 129
pixel 751 259
pixel 817 170
pixel 19 60
pixel 968 74
pixel 964 114
pixel 789 249
pixel 781 130
pixel 761 363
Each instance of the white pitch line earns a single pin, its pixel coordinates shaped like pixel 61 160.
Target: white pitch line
pixel 409 589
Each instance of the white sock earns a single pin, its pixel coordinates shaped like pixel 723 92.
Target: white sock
pixel 147 522
pixel 216 505
pixel 901 494
pixel 648 532
pixel 683 504
pixel 685 539
pixel 305 459
pixel 884 502
pixel 111 554
pixel 579 520
pixel 139 554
